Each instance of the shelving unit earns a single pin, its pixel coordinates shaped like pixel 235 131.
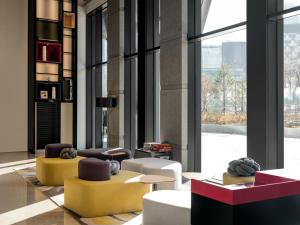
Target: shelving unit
pixel 52 72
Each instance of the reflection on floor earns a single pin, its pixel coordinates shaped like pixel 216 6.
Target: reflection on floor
pixel 15 156
pixel 20 202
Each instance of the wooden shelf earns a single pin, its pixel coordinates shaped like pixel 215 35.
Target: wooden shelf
pixel 47 100
pixel 52 47
pixel 47 30
pixel 69 20
pixel 47 9
pixel 48 52
pixel 48 20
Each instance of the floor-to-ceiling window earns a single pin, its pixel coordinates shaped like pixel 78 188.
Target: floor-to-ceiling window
pixel 217 43
pixel 130 73
pixel 96 81
pixel 287 19
pixel 152 68
pixel 141 61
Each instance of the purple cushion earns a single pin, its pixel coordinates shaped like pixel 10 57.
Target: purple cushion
pixel 106 154
pixel 92 153
pixel 53 150
pixel 93 169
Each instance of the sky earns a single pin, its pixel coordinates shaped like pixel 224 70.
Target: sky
pixel 223 13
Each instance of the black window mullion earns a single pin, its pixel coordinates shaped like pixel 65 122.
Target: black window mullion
pixel 141 72
pixel 94 66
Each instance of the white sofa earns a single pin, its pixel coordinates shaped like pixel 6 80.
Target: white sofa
pixel 167 207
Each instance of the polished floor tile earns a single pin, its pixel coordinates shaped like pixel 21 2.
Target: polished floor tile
pixel 15 156
pixel 23 204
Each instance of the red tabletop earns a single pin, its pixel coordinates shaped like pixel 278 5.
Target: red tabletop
pixel 266 186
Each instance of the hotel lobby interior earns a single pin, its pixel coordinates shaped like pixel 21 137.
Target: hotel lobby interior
pixel 150 112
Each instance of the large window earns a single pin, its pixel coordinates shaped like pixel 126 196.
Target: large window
pixel 142 88
pixel 218 80
pixel 223 100
pixel 291 56
pixel 96 81
pixel 290 3
pixel 285 17
pixel 130 73
pixel 217 14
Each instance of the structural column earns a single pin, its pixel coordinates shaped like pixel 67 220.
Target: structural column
pixel 265 93
pixel 174 76
pixel 115 71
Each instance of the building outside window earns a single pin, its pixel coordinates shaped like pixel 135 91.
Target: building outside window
pixel 220 46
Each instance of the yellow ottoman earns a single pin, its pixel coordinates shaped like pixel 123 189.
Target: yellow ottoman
pixel 53 171
pixel 122 194
pixel 228 179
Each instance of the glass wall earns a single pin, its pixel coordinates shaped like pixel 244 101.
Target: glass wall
pixel 286 19
pixel 223 100
pixel 142 83
pixel 130 74
pixel 152 68
pixel 290 3
pixel 291 56
pixel 217 14
pixel 96 77
pixel 217 83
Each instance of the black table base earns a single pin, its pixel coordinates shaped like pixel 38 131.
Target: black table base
pixel 281 211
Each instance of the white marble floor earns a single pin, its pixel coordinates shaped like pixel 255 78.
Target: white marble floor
pixel 20 202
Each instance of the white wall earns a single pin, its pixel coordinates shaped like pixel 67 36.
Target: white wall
pixel 81 82
pixel 13 74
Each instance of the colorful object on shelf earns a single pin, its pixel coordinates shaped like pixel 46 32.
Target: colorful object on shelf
pixel 44 94
pixel 123 193
pixel 53 90
pixel 243 167
pixel 68 153
pixel 261 203
pixel 158 147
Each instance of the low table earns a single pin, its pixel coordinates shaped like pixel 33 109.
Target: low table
pixel 195 175
pixel 155 179
pixel 156 166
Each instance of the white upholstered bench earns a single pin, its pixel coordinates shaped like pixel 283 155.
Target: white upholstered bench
pixel 167 207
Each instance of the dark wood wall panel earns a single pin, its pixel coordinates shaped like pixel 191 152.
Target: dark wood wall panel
pixel 48 124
